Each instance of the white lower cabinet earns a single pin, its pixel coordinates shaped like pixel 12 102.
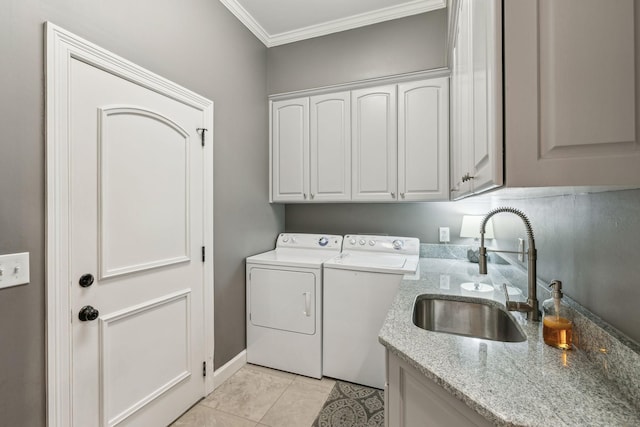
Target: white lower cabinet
pixel 412 400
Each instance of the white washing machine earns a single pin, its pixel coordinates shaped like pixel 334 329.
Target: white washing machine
pixel 359 287
pixel 284 303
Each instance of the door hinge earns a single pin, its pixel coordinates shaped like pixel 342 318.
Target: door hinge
pixel 203 254
pixel 204 369
pixel 201 131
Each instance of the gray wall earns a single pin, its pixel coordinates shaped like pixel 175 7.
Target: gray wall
pixel 589 241
pixel 404 45
pixel 421 220
pixel 196 43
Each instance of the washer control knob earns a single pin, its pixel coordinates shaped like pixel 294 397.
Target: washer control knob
pixel 398 244
pixel 285 239
pixel 323 241
pixel 293 240
pixel 362 242
pixel 352 241
pixel 372 242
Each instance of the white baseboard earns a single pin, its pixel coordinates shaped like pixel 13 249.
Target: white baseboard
pixel 225 372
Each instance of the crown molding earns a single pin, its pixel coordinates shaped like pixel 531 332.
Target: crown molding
pixel 394 12
pixel 248 20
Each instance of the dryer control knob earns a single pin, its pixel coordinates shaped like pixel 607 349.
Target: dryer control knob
pixel 285 239
pixel 352 241
pixel 362 242
pixel 372 242
pixel 323 241
pixel 293 240
pixel 398 244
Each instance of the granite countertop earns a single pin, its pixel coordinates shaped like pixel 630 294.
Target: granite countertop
pixel 511 384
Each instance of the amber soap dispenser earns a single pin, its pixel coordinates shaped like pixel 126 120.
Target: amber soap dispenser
pixel 556 326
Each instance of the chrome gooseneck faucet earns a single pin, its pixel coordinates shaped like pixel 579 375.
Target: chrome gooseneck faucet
pixel 531 306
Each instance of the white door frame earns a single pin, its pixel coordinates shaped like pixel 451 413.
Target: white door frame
pixel 61 46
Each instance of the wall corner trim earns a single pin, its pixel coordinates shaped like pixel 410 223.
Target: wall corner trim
pixel 227 370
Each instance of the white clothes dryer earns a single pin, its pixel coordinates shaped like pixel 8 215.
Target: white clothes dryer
pixel 284 303
pixel 359 287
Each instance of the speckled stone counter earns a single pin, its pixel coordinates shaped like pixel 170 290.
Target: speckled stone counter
pixel 514 384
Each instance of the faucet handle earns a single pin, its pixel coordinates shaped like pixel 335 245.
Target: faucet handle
pixel 511 305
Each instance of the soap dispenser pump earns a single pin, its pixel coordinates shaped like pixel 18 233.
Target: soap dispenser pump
pixel 556 325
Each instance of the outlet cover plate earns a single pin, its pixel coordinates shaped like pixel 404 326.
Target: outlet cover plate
pixel 445 236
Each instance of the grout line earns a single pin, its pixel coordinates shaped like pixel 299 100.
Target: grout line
pixel 235 415
pixel 276 401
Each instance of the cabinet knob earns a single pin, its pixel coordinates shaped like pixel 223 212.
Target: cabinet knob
pixel 312 196
pixel 304 195
pixel 393 194
pixel 402 195
pixel 467 177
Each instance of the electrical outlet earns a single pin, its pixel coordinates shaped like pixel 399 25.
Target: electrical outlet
pixel 445 282
pixel 14 269
pixel 444 235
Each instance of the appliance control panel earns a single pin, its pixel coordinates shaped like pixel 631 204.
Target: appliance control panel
pixel 309 241
pixel 391 244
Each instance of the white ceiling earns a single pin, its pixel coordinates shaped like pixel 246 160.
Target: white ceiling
pixel 277 22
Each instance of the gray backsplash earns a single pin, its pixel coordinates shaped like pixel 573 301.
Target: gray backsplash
pixel 589 241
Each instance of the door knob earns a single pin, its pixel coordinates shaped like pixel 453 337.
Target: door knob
pixel 86 280
pixel 88 313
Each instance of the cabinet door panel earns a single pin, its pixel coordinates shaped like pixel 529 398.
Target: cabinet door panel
pixel 580 107
pixel 415 400
pixel 572 93
pixel 374 144
pixel 477 142
pixel 423 135
pixel 330 147
pixel 486 94
pixel 290 149
pixel 461 137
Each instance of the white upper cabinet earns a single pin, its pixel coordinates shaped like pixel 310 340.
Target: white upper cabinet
pixel 572 92
pixel 369 144
pixel 423 140
pixel 290 150
pixel 476 117
pixel 374 144
pixel 330 148
pixel 460 141
pixel 486 80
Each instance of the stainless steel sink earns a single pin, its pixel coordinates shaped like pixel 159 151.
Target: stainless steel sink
pixel 477 318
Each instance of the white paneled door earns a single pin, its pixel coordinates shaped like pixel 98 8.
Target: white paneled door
pixel 136 270
pixel 136 208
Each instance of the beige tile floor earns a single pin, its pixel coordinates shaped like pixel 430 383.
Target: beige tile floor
pixel 257 396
